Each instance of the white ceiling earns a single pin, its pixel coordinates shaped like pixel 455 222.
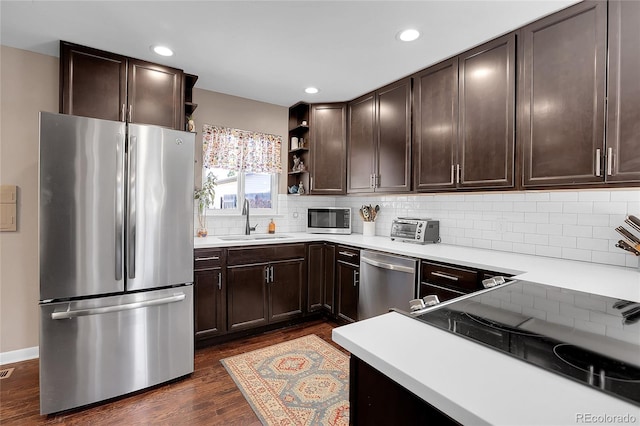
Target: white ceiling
pixel 271 50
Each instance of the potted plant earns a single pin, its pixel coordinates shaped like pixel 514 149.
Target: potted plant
pixel 205 197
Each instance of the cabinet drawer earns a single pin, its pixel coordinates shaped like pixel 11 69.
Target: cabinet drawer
pixel 207 259
pixel 264 254
pixel 348 254
pixel 450 276
pixel 443 294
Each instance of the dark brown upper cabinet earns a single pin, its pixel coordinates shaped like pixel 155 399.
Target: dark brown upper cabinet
pixel 379 140
pixel 623 108
pixel 435 136
pixel 99 84
pixel 486 134
pixel 328 150
pixel 562 64
pixel 464 108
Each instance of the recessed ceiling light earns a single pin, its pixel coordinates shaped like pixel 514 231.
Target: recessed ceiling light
pixel 311 90
pixel 408 35
pixel 162 50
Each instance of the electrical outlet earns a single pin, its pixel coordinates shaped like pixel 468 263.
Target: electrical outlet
pixel 295 215
pixel 500 226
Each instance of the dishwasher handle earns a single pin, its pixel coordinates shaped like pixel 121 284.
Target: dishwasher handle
pixel 390 266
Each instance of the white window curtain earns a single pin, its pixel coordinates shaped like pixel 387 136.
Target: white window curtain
pixel 241 150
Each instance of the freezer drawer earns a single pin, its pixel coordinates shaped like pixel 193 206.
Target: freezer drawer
pixel 92 350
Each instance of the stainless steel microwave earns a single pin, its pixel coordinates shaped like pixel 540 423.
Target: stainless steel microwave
pixel 329 220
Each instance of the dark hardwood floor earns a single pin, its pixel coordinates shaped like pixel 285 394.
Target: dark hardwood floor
pixel 209 396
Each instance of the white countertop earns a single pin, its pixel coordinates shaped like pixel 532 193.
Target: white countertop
pixel 472 384
pixel 605 280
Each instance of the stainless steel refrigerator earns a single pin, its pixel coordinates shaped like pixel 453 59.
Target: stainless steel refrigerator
pixel 116 258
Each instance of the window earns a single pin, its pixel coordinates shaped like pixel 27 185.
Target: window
pixel 232 187
pixel 245 165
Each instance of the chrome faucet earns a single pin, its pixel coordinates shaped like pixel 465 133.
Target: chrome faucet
pixel 245 211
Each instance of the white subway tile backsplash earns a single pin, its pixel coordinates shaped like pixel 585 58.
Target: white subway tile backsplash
pixel 562 241
pixel 548 229
pixel 564 224
pixel 594 195
pixel 563 218
pixel 577 230
pixel 610 207
pixel 536 239
pixel 536 196
pixel 536 217
pixel 576 254
pixel 626 195
pixel 578 207
pixel 552 207
pixel 563 196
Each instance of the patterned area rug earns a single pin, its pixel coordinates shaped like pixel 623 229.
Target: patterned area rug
pixel 300 382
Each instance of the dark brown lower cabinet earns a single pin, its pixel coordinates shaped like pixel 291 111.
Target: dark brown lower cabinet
pixel 264 293
pixel 375 399
pixel 285 290
pixel 321 277
pixel 209 294
pixel 246 296
pixel 347 277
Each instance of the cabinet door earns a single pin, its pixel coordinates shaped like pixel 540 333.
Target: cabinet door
pixel 328 294
pixel 562 65
pixel 623 120
pixel 486 137
pixel 435 126
pixel 315 274
pixel 393 151
pixel 328 149
pixel 348 279
pixel 92 82
pixel 208 307
pixel 361 151
pixel 285 290
pixel 155 95
pixel 247 296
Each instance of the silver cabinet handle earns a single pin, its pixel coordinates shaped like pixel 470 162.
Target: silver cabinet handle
pixel 610 161
pixel 123 113
pixel 119 205
pixel 130 113
pixel 443 275
pixel 219 280
pixel 346 253
pixel 371 184
pixel 131 203
pixel 311 183
pixel 453 173
pixel 389 266
pixel 457 173
pixel 208 258
pixel 117 308
pixel 271 273
pixel 266 274
pixel 355 277
pixel 597 162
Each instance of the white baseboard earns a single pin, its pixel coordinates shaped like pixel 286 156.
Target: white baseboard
pixel 19 355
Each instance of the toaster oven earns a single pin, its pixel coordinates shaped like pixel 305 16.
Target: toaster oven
pixel 415 230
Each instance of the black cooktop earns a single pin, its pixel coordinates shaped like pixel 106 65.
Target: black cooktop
pixel 589 338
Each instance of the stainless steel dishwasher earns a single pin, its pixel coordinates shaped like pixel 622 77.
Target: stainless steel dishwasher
pixel 386 281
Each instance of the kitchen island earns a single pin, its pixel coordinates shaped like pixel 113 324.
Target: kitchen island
pixel 473 384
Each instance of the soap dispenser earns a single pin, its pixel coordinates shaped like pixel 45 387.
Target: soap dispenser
pixel 272 227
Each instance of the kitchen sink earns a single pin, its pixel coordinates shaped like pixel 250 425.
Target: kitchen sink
pixel 254 237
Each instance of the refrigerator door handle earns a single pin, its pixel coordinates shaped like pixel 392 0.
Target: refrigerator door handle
pixel 117 308
pixel 131 207
pixel 119 205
